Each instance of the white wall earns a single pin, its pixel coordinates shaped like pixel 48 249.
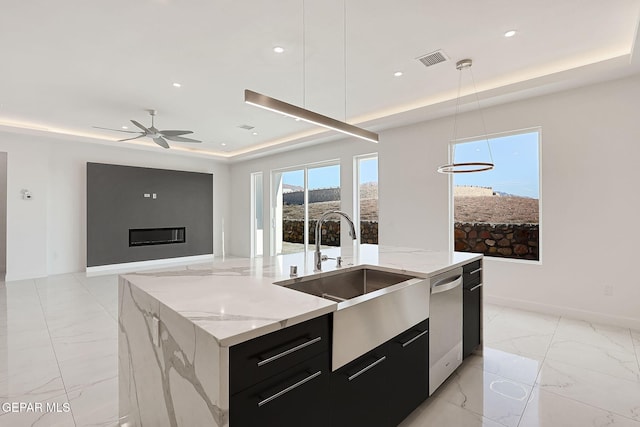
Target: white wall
pixel 342 150
pixel 590 152
pixel 412 197
pixel 3 213
pixel 47 234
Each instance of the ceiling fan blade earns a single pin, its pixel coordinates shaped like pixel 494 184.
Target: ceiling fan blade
pixel 140 126
pixel 180 138
pixel 129 139
pixel 166 133
pixel 117 130
pixel 161 142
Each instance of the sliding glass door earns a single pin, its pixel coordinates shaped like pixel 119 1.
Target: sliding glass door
pixel 299 197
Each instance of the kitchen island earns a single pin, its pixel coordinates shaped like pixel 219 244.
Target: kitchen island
pixel 176 327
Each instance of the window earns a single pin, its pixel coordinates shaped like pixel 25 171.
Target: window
pixel 367 193
pixel 257 216
pixel 300 196
pixel 497 212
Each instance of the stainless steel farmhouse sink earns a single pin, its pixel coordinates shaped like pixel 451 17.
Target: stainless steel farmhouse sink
pixel 349 284
pixel 374 305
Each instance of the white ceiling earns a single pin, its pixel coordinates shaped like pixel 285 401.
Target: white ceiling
pixel 68 65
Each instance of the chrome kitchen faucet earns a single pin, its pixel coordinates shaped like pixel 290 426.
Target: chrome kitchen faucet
pixel 317 256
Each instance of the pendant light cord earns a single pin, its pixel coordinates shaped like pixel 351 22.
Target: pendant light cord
pixel 304 60
pixel 455 119
pixel 484 126
pixel 344 34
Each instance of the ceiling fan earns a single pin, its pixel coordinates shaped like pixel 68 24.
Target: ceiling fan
pixel 159 136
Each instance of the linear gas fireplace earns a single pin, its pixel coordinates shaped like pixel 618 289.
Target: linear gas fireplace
pixel 156 236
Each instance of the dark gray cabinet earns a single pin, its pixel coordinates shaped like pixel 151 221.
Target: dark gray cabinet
pixel 383 386
pixel 358 391
pixel 285 378
pixel 471 307
pixel 409 381
pixel 282 379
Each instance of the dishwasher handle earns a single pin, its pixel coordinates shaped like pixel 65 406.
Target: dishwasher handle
pixel 446 284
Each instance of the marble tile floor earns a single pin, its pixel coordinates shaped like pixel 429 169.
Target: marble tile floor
pixel 58 348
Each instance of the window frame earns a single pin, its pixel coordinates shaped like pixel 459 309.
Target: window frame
pixel 255 242
pixel 489 137
pixel 356 189
pixel 273 198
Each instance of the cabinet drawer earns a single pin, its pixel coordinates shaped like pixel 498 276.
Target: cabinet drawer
pixel 297 397
pixel 472 273
pixel 359 391
pixel 260 358
pixel 408 385
pixel 471 316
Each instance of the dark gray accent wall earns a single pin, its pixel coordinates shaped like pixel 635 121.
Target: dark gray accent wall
pixel 116 202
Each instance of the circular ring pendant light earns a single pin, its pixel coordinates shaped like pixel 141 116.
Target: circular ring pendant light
pixel 466 167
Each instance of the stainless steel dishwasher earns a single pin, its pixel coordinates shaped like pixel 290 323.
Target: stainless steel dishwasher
pixel 445 326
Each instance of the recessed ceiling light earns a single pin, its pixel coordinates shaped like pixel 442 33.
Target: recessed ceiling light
pixel 254 133
pixel 177 85
pixel 398 73
pixel 278 49
pixel 224 144
pixel 125 127
pixel 510 33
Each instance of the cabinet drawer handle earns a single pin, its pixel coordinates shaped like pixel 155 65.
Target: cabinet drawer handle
pixel 363 370
pixel 291 350
pixel 475 287
pixel 288 389
pixel 476 271
pixel 415 338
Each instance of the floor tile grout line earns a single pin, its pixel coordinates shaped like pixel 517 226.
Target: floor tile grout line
pixel 635 349
pixel 606 349
pixel 54 351
pixel 537 383
pixel 591 406
pixel 604 374
pixel 557 321
pixel 436 396
pixel 544 358
pixel 94 296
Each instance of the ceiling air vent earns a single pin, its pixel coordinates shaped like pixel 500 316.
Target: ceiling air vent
pixel 247 127
pixel 433 58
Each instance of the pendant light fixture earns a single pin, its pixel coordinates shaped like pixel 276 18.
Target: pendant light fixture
pixel 467 167
pixel 301 113
pixel 290 110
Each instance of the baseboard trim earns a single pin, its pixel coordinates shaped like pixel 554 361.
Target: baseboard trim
pixel 128 267
pixel 17 277
pixel 572 313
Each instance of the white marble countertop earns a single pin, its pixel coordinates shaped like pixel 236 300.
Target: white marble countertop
pixel 234 299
